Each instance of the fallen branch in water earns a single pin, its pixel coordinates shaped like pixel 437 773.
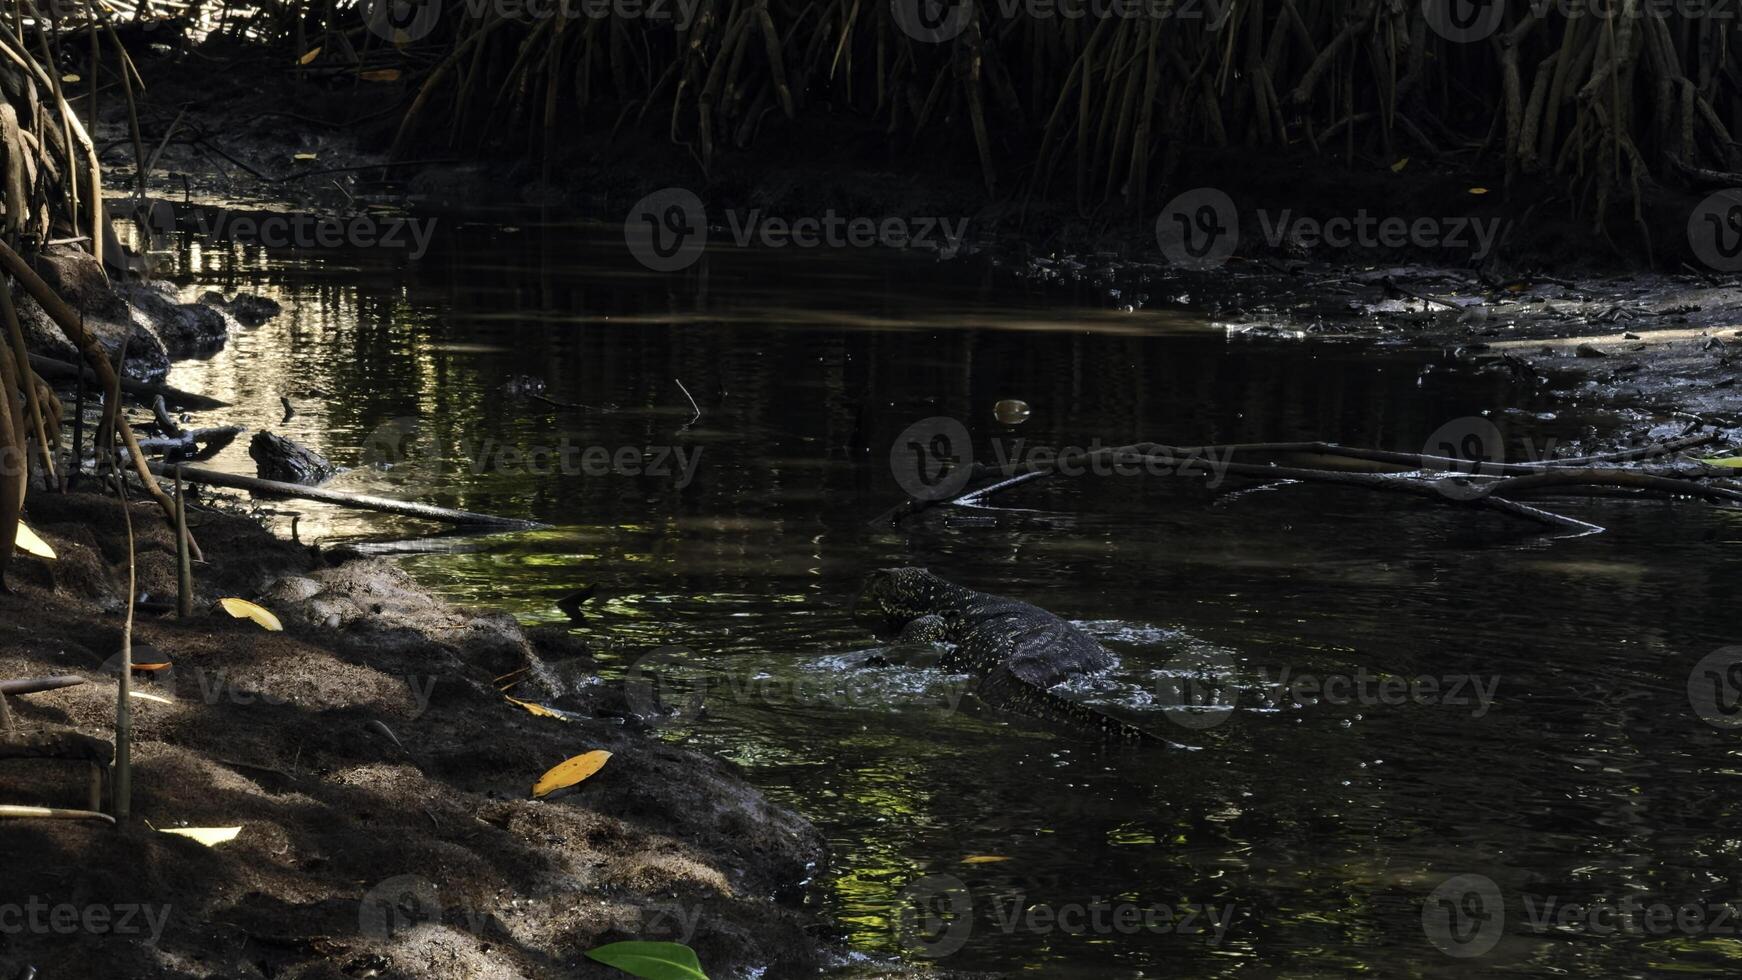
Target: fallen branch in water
pixel 49 367
pixel 193 444
pixel 274 488
pixel 1444 479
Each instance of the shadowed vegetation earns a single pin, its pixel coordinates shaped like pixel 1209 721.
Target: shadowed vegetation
pixel 1609 99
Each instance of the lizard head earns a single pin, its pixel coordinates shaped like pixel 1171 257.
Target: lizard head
pixel 892 597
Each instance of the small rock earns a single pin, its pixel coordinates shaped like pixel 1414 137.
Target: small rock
pixel 1011 411
pixel 1589 350
pixel 1629 336
pixel 249 309
pixel 186 329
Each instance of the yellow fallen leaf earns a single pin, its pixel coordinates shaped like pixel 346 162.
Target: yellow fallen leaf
pixel 69 78
pixel 1397 167
pixel 1478 190
pixel 570 772
pixel 209 836
pixel 1733 462
pixel 145 696
pixel 28 541
pixel 983 859
pixel 243 609
pixel 313 53
pixel 538 709
pixel 380 75
pixel 306 156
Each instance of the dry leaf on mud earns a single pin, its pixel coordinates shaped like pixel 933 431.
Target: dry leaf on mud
pixel 28 542
pixel 569 772
pixel 537 709
pixel 243 609
pixel 209 836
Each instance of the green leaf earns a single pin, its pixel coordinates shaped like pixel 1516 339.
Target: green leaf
pixel 651 961
pixel 1733 462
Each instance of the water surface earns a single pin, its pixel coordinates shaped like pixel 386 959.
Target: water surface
pixel 1316 830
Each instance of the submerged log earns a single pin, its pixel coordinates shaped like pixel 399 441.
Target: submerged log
pixel 271 488
pixel 49 367
pixel 1438 478
pixel 277 458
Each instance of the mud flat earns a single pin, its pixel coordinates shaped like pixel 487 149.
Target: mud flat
pixel 380 780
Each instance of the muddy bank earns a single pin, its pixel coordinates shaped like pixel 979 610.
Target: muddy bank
pixel 380 780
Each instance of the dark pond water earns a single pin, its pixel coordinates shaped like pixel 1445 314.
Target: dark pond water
pixel 1554 751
